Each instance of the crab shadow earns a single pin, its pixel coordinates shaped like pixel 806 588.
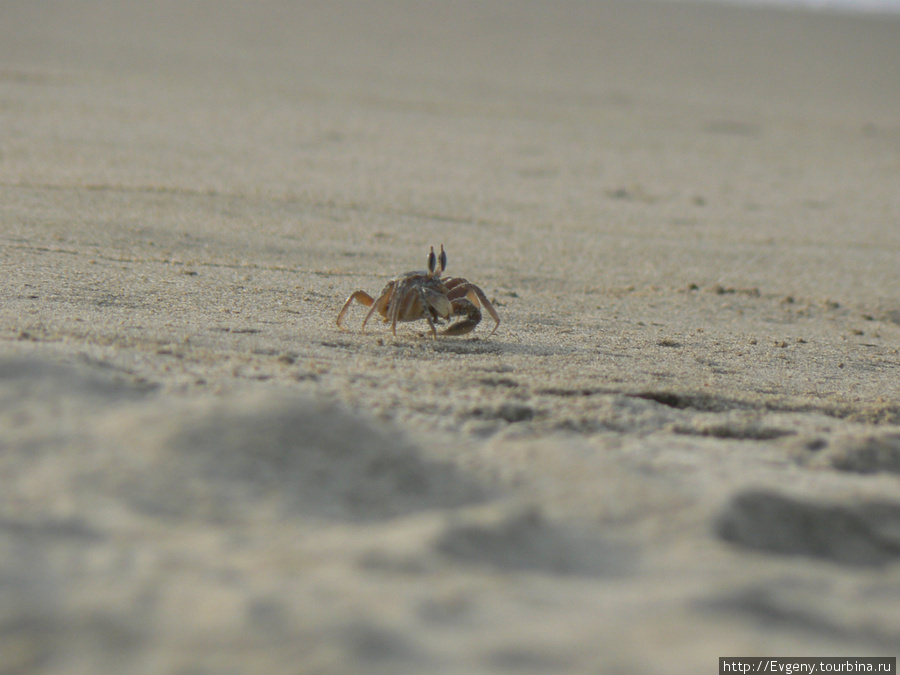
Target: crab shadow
pixel 478 346
pixel 466 346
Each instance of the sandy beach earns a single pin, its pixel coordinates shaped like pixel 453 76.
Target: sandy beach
pixel 681 443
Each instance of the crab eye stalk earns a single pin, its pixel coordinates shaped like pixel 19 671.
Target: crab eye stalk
pixel 432 261
pixel 443 259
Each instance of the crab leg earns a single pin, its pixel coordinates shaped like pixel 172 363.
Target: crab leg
pixel 361 297
pixel 424 301
pixel 377 306
pixel 396 306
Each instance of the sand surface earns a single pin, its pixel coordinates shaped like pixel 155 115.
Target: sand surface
pixel 683 441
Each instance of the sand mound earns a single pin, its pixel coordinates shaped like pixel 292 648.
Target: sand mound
pixel 217 460
pixel 868 453
pixel 867 533
pixel 524 539
pixel 214 459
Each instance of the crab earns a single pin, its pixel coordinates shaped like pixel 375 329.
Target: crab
pixel 425 295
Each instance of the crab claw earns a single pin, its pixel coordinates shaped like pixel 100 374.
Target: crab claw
pixel 439 302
